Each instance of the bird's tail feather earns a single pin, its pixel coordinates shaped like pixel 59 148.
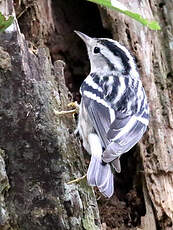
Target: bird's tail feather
pixel 101 175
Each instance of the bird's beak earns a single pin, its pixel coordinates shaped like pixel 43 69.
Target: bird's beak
pixel 84 37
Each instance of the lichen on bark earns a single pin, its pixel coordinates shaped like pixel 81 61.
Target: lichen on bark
pixel 4 187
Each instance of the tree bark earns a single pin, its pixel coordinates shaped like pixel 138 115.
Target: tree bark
pixel 154 52
pixel 39 150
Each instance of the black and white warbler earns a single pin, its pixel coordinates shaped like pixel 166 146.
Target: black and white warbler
pixel 113 113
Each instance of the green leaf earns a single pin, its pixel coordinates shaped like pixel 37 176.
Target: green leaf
pixel 116 5
pixel 5 23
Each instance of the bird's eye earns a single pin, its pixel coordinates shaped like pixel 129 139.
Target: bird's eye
pixel 96 50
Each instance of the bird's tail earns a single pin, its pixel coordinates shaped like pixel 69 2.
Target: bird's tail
pixel 100 175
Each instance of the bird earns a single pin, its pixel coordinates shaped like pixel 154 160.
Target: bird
pixel 113 112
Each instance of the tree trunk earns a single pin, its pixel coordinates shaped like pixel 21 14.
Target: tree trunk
pixel 39 149
pixel 39 153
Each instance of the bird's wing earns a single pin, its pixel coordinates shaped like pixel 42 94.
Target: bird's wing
pixel 99 115
pixel 117 125
pixel 99 174
pixel 118 136
pixel 123 134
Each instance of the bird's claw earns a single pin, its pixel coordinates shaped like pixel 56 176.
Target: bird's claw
pixel 73 104
pixel 72 111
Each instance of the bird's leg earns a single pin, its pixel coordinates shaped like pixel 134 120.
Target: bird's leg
pixel 74 105
pixel 77 179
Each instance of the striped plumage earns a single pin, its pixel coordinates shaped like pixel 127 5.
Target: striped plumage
pixel 113 114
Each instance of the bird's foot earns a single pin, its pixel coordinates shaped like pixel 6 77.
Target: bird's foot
pixel 73 111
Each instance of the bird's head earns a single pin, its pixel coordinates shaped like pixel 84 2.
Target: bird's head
pixel 108 55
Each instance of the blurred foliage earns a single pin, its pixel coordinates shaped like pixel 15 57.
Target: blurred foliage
pixel 116 5
pixel 5 23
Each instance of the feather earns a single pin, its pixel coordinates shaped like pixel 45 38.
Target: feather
pixel 99 174
pixel 101 120
pixel 117 137
pixel 115 149
pixel 114 112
